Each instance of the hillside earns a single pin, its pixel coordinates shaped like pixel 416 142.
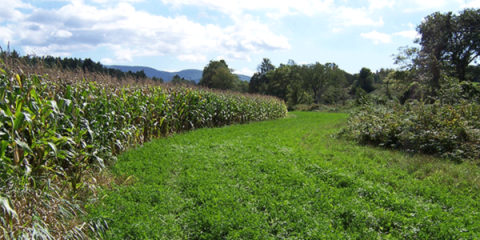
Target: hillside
pixel 189 74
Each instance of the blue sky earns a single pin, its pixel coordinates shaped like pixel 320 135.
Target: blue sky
pixel 186 34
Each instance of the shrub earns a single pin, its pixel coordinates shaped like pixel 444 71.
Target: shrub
pixel 449 127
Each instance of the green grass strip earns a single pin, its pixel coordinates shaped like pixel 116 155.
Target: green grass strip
pixel 287 178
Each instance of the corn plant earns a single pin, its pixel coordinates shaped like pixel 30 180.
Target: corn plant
pixel 63 128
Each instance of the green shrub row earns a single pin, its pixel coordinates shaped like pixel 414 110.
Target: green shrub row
pixel 63 128
pixel 447 130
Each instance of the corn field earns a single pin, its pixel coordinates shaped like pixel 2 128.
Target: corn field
pixel 57 127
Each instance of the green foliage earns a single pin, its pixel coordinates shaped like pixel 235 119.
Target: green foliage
pixel 217 75
pixel 449 127
pixel 177 80
pixel 74 64
pixel 224 79
pixel 287 179
pixel 323 107
pixel 450 42
pixel 365 80
pixel 63 128
pixel 259 82
pixel 450 45
pixel 319 78
pixel 160 80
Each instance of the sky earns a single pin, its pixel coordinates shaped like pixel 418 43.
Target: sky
pixel 173 35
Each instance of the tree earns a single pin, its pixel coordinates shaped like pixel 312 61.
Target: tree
pixel 88 65
pixel 224 79
pixel 365 80
pixel 278 81
pixel 465 41
pixel 217 75
pixel 157 79
pixel 319 78
pixel 182 81
pixel 435 31
pixel 259 82
pixel 449 43
pixel 209 72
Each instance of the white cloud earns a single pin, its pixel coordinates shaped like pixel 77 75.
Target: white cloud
pixel 377 37
pixel 336 30
pixel 9 10
pixel 5 35
pixel 245 71
pixel 420 5
pixel 106 61
pixel 110 1
pixel 130 33
pixel 274 8
pixel 62 34
pixel 345 16
pixel 356 17
pixel 54 49
pixel 412 34
pixel 192 58
pixel 379 4
pixel 471 4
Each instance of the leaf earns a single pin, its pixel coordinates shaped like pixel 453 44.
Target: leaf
pixel 19 118
pixel 6 204
pixel 34 94
pixel 3 149
pixel 68 93
pixel 19 80
pixel 54 148
pixel 24 146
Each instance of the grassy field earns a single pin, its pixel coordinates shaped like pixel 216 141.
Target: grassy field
pixel 286 179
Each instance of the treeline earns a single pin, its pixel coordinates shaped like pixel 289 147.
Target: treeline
pixel 74 64
pixel 313 83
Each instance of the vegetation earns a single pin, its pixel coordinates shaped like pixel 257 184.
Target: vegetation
pixel 438 109
pixel 217 75
pixel 63 121
pixel 58 129
pixel 449 127
pixel 287 178
pixel 301 84
pixel 73 64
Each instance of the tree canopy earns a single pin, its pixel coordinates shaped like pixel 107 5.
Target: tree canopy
pixel 217 75
pixel 449 43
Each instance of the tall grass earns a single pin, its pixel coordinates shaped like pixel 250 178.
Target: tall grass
pixel 58 127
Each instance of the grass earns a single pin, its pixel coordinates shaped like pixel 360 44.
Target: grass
pixel 287 178
pixel 59 129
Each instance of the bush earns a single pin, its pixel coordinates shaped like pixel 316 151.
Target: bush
pixel 449 127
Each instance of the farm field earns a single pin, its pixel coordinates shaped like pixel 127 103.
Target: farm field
pixel 286 179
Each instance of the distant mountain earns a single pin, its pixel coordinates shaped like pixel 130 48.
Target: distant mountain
pixel 189 74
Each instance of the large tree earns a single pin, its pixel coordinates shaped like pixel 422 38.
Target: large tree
pixel 365 80
pixel 209 72
pixel 449 43
pixel 217 75
pixel 464 44
pixel 224 79
pixel 279 80
pixel 319 78
pixel 259 82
